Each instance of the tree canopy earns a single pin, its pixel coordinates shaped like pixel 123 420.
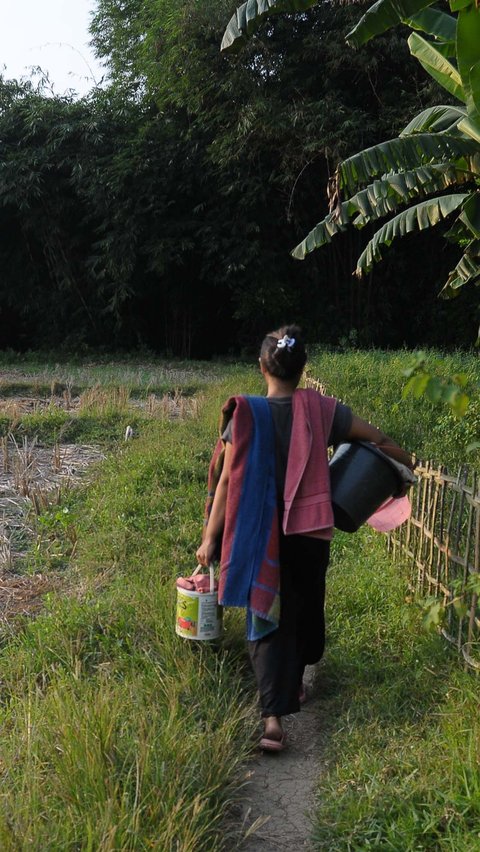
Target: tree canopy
pixel 160 211
pixel 438 151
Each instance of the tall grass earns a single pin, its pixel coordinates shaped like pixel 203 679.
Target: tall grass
pixel 117 733
pixel 371 382
pixel 95 402
pixel 38 373
pixel 401 717
pixel 402 741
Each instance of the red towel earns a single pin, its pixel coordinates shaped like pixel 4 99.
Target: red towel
pixel 308 506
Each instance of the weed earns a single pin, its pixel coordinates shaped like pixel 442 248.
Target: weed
pixel 371 382
pixel 120 734
pixel 402 718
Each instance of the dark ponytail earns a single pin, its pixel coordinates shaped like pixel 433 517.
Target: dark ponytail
pixel 283 353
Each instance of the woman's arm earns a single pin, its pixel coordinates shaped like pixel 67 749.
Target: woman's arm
pixel 217 515
pixel 360 430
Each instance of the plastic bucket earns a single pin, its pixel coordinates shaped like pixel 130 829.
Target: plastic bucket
pixel 361 479
pixel 198 615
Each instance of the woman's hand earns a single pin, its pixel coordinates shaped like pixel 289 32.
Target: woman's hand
pixel 206 552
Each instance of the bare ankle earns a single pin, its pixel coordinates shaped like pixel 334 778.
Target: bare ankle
pixel 273 727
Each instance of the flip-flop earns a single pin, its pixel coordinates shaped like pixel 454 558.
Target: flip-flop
pixel 267 744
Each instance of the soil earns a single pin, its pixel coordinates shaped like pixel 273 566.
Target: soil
pixel 280 788
pixel 32 478
pixel 23 595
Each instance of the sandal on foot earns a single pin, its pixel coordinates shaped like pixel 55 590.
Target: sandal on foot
pixel 267 744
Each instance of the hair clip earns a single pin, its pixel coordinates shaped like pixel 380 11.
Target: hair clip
pixel 286 341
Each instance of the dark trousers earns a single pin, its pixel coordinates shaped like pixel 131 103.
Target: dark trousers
pixel 279 659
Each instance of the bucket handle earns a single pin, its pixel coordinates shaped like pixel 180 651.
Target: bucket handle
pixel 212 576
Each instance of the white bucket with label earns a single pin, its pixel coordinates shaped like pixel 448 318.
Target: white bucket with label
pixel 198 614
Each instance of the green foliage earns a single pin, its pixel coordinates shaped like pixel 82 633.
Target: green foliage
pixel 403 154
pixel 156 213
pixel 264 146
pixel 438 389
pixel 434 613
pixel 435 608
pixel 425 424
pixel 436 23
pixel 94 225
pixel 383 15
pixel 250 15
pixel 358 170
pixel 56 535
pixel 437 65
pixel 109 714
pixel 401 723
pixel 437 119
pixel 419 217
pixel 403 160
pixel 384 196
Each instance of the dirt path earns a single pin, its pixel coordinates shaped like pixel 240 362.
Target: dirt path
pixel 279 794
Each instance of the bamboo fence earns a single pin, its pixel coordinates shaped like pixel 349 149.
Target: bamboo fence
pixel 440 544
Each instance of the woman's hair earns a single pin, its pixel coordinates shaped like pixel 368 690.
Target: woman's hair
pixel 283 353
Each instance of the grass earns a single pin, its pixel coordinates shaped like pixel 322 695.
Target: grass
pixel 119 735
pixel 91 402
pixel 44 374
pixel 52 426
pixel 371 383
pixel 401 716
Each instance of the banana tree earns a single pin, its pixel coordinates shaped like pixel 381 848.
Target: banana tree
pixel 431 172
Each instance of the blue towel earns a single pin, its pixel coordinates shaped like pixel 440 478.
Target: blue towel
pixel 253 526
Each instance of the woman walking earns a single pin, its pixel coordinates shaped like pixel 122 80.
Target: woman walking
pixel 270 520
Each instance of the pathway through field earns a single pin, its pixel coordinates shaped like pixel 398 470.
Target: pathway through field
pixel 279 796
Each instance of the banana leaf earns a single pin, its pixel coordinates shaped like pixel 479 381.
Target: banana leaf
pixel 466 271
pixel 435 23
pixel 470 215
pixel 468 55
pixel 401 154
pixel 395 190
pixel 383 15
pixel 322 234
pixel 475 85
pixel 250 15
pixel 425 215
pixel 380 199
pixel 437 65
pixel 447 49
pixel 470 126
pixel 456 5
pixel 436 119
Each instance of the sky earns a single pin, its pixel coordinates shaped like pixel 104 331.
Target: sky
pixel 52 34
